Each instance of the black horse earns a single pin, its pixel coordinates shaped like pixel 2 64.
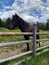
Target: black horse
pixel 17 21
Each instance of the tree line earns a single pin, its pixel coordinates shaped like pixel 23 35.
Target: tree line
pixel 4 23
pixel 42 25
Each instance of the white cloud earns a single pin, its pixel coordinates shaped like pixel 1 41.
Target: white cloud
pixel 7 7
pixel 29 18
pixel 7 14
pixel 0 13
pixel 25 8
pixel 44 18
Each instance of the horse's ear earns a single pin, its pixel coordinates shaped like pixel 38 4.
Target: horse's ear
pixel 16 15
pixel 13 16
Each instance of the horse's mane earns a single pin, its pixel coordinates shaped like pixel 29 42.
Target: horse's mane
pixel 21 19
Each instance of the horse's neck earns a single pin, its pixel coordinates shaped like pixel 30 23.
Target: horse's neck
pixel 22 25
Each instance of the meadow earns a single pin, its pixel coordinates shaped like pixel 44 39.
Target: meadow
pixel 43 58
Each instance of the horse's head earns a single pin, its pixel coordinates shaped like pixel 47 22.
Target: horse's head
pixel 13 23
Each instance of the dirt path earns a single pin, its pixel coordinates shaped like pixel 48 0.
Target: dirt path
pixel 7 52
pixel 14 50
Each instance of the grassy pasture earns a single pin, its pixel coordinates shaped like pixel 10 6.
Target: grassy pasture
pixel 17 38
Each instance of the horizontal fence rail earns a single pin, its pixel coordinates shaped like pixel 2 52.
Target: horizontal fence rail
pixel 47 39
pixel 20 42
pixel 15 33
pixel 13 43
pixel 21 33
pixel 43 33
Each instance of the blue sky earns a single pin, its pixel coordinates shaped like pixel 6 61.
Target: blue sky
pixel 29 10
pixel 7 2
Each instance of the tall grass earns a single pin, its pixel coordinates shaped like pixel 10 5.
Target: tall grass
pixel 42 59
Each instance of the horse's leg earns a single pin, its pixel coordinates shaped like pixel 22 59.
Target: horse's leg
pixel 27 38
pixel 37 37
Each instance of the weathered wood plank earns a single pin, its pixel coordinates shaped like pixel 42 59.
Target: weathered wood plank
pixel 43 33
pixel 34 42
pixel 42 47
pixel 47 39
pixel 21 33
pixel 15 33
pixel 20 42
pixel 42 51
pixel 13 43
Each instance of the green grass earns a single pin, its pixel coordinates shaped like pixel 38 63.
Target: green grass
pixel 42 59
pixel 10 38
pixel 7 30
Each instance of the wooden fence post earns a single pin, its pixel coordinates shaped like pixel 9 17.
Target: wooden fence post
pixel 34 42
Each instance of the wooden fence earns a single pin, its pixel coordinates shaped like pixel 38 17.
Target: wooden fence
pixel 20 42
